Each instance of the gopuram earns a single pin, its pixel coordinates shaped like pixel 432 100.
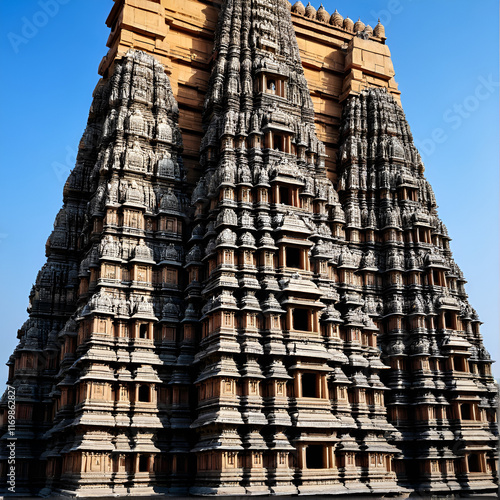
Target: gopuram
pixel 248 289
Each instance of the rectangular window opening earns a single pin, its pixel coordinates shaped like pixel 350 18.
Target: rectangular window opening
pixel 293 257
pixel 315 456
pixel 300 319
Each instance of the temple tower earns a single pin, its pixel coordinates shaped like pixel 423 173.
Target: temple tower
pixel 443 397
pixel 286 349
pixel 118 376
pixel 299 326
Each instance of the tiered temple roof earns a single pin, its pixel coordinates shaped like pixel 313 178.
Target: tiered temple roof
pixel 277 334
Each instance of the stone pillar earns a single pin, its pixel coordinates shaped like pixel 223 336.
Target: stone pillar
pixel 325 395
pixel 298 384
pixel 315 322
pixel 289 319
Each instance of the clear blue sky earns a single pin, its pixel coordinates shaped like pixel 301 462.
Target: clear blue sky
pixel 445 53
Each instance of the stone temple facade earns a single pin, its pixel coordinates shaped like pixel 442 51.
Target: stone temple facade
pixel 275 320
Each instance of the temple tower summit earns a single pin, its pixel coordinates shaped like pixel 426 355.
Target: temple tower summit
pixel 298 325
pixel 181 35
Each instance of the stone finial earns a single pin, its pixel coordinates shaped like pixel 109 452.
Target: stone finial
pixel 379 30
pixel 336 19
pixel 322 15
pixel 310 11
pixel 298 8
pixel 348 24
pixel 359 26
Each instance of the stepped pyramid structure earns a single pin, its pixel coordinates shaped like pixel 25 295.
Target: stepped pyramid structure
pixel 276 319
